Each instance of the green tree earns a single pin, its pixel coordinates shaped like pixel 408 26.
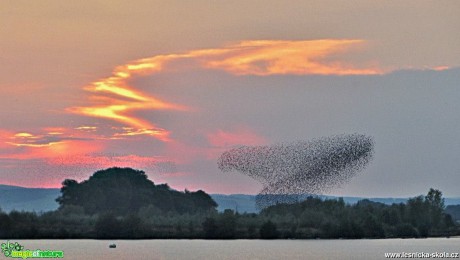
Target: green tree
pixel 124 191
pixel 133 226
pixel 406 230
pixel 108 226
pixel 5 225
pixel 372 227
pixel 69 193
pixel 269 231
pixel 227 224
pixel 210 228
pixel 436 206
pixel 418 215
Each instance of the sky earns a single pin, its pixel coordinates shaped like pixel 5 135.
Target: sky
pixel 167 86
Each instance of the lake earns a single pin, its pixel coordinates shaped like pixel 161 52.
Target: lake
pixel 242 249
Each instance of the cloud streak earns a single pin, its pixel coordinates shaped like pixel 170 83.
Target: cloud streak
pixel 115 99
pixel 289 57
pixel 24 139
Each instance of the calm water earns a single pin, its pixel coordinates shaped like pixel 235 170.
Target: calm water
pixel 241 249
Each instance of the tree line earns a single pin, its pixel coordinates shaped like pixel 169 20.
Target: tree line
pixel 123 203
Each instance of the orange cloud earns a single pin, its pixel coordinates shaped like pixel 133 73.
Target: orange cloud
pixel 288 57
pixel 55 149
pixel 113 98
pixel 441 68
pixel 124 100
pixel 5 137
pixel 30 140
pixel 71 149
pixel 51 142
pixel 86 128
pixel 129 131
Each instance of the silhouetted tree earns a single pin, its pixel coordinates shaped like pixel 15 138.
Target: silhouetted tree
pixel 436 206
pixel 108 226
pixel 133 226
pixel 210 228
pixel 227 224
pixel 5 225
pixel 268 231
pixel 405 230
pixel 124 191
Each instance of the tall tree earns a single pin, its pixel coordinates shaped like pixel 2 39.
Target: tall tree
pixel 124 191
pixel 436 205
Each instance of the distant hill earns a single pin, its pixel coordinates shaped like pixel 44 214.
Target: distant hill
pixel 41 199
pixel 454 211
pixel 237 202
pixel 28 199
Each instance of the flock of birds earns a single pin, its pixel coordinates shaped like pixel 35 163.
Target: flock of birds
pixel 289 171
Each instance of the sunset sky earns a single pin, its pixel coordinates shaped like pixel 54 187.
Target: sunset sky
pixel 167 86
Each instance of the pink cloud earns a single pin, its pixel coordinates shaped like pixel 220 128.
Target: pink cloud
pixel 240 136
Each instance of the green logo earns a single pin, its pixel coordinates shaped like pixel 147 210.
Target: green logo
pixel 15 250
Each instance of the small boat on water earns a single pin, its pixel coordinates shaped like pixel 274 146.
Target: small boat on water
pixel 112 246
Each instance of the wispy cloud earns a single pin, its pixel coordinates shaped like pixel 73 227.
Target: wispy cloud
pixel 289 57
pixel 87 128
pixel 115 99
pixel 41 140
pixel 64 150
pixel 440 68
pixel 48 142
